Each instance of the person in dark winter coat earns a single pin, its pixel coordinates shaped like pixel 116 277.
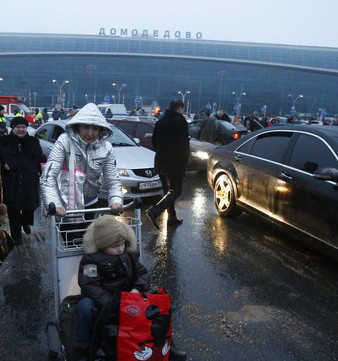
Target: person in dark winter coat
pixel 209 129
pixel 224 116
pixel 20 157
pixel 63 114
pixel 45 115
pixel 171 142
pixel 55 114
pixel 252 122
pixel 108 114
pixel 109 267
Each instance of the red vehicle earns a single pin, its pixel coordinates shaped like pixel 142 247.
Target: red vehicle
pixel 14 105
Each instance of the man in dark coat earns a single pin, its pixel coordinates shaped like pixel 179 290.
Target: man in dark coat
pixel 224 116
pixel 171 143
pixel 209 129
pixel 45 115
pixel 20 157
pixel 55 114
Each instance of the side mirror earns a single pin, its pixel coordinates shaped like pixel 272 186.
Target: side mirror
pixel 328 174
pixel 148 135
pixel 137 141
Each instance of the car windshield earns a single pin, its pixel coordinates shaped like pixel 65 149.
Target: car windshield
pixel 26 109
pixel 103 110
pixel 120 139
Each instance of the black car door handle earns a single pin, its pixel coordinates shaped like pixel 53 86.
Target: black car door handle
pixel 238 157
pixel 286 176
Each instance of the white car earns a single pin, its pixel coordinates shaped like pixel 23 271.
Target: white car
pixel 135 163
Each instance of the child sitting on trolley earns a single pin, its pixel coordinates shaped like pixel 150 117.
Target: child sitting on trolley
pixel 110 266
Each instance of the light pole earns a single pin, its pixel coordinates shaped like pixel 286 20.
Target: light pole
pixel 294 100
pixel 221 73
pixel 60 87
pixel 35 94
pixel 113 98
pixel 183 94
pixel 119 90
pixel 237 104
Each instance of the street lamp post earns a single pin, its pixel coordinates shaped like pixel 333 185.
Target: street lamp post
pixel 294 99
pixel 183 94
pixel 113 98
pixel 238 97
pixel 35 94
pixel 60 88
pixel 221 73
pixel 119 90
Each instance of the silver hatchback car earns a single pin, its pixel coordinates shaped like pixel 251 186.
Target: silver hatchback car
pixel 135 163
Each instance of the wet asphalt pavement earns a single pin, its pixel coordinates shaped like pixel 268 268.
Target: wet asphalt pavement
pixel 241 289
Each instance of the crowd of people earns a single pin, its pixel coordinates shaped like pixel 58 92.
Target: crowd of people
pixel 84 146
pixel 43 116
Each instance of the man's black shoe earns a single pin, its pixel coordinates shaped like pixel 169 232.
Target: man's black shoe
pixel 151 216
pixel 26 229
pixel 174 222
pixel 177 355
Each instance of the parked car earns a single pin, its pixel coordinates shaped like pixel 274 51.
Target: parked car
pixel 135 163
pixel 330 121
pixel 287 175
pixel 227 131
pixel 142 129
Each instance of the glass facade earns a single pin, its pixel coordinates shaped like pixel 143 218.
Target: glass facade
pixel 156 69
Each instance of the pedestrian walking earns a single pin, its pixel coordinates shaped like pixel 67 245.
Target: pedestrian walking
pixel 20 157
pixel 71 113
pixel 45 115
pixel 38 116
pixel 209 129
pixel 171 142
pixel 3 124
pixel 62 114
pixel 55 114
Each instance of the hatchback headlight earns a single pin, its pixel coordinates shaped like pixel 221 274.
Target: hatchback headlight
pixel 123 172
pixel 200 154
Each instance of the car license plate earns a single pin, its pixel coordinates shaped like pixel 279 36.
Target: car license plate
pixel 150 185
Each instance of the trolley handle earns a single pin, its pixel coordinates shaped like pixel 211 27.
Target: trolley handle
pixel 135 204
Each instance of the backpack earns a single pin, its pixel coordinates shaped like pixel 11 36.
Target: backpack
pixel 67 325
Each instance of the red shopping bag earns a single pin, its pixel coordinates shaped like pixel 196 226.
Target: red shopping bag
pixel 145 330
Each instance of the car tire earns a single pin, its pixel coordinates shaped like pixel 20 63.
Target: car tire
pixel 224 197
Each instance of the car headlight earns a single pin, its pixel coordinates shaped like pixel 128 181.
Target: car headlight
pixel 200 154
pixel 123 172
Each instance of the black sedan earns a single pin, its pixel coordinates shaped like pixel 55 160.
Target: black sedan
pixel 227 132
pixel 288 175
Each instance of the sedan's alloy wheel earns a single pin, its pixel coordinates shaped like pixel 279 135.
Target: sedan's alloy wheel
pixel 224 196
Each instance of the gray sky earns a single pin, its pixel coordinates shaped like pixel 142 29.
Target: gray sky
pixel 298 22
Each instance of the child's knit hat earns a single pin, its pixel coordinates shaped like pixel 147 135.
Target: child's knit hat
pixel 108 231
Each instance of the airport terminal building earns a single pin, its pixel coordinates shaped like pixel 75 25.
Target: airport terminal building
pixel 157 68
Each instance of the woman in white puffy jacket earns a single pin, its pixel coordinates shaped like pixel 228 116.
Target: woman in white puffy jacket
pixel 87 132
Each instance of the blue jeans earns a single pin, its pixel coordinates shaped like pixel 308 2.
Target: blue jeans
pixel 87 314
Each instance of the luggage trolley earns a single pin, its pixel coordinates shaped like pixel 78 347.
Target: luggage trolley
pixel 67 250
